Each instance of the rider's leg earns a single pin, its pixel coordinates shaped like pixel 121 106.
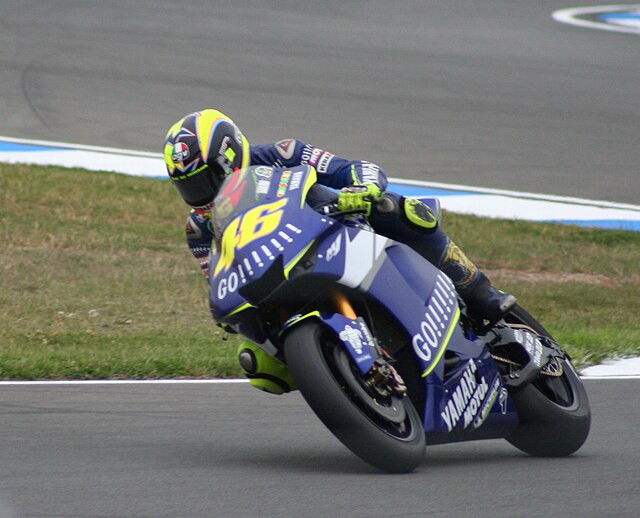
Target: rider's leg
pixel 414 224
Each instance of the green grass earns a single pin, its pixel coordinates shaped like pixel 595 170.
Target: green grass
pixel 96 280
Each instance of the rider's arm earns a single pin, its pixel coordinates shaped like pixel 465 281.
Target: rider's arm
pixel 333 171
pixel 199 238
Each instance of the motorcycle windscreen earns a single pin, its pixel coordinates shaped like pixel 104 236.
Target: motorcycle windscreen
pixel 261 223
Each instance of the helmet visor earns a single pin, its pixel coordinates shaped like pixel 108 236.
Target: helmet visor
pixel 199 188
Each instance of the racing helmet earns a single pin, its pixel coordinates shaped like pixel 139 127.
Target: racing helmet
pixel 200 150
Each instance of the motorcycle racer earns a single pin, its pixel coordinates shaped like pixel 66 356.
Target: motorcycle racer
pixel 202 148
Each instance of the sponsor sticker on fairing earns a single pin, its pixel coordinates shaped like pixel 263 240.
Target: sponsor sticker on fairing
pixel 334 249
pixel 438 319
pixel 504 395
pixel 465 399
pixel 359 339
pixel 353 336
pixel 262 187
pixel 296 179
pixel 532 345
pixel 284 183
pixel 488 404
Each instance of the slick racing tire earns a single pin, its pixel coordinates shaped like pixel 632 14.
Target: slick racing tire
pixel 554 411
pixel 384 432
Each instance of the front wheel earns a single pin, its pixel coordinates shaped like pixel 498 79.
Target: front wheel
pixel 385 432
pixel 554 411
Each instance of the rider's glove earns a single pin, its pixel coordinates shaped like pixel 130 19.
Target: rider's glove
pixel 359 197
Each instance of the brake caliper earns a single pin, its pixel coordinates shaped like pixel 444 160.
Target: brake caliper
pixel 384 379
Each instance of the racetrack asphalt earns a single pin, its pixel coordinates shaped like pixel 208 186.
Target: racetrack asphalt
pixel 160 451
pixel 494 94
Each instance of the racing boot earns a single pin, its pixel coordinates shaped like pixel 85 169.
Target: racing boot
pixel 265 372
pixel 484 303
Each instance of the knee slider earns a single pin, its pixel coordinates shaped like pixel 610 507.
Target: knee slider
pixel 420 215
pixel 265 372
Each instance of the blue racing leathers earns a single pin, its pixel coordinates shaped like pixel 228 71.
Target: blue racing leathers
pixel 332 171
pixel 412 223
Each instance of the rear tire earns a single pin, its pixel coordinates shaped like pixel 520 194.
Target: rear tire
pixel 384 432
pixel 554 412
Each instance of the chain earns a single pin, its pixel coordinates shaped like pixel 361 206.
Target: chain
pixel 505 360
pixel 553 368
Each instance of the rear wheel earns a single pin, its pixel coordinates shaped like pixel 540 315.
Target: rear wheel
pixel 554 410
pixel 385 432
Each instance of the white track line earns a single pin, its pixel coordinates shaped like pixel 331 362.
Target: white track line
pixel 124 382
pixel 40 383
pixel 69 146
pixel 514 194
pixel 568 16
pixel 612 377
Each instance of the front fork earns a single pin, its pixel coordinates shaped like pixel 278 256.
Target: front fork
pixel 377 373
pixel 373 362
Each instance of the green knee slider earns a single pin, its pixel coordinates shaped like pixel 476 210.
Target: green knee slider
pixel 420 214
pixel 265 372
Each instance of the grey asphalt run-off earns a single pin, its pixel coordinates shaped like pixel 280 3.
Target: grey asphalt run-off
pixel 229 450
pixel 493 94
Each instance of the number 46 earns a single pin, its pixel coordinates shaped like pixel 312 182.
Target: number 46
pixel 256 223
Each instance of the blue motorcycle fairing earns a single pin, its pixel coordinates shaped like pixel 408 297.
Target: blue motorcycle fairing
pixel 269 223
pixel 357 338
pixel 473 395
pixel 259 218
pixel 421 297
pixel 353 333
pixel 425 303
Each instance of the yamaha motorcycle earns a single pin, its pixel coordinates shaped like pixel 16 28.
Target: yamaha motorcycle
pixel 375 337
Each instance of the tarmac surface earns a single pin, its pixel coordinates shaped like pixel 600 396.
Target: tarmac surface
pixel 155 451
pixel 494 94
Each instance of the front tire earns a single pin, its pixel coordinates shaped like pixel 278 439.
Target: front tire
pixel 554 412
pixel 384 432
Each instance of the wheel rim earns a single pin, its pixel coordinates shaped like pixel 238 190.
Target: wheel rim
pixel 557 389
pixel 387 413
pixel 390 408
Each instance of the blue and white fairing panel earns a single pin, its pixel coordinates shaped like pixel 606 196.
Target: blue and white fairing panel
pixel 424 301
pixel 355 334
pixel 472 396
pixel 350 255
pixel 420 296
